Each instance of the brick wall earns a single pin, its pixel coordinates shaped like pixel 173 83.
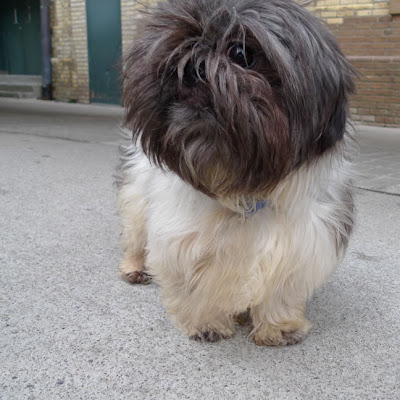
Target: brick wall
pixel 129 11
pixel 335 11
pixel 69 41
pixel 370 36
pixel 70 55
pixel 373 46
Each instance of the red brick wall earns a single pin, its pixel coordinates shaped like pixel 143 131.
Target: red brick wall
pixel 372 44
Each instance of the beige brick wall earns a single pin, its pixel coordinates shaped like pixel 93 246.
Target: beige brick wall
pixel 70 55
pixel 70 50
pixel 370 37
pixel 368 34
pixel 129 11
pixel 334 11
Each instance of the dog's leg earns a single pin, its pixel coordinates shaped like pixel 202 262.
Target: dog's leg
pixel 302 260
pixel 132 269
pixel 198 306
pixel 207 312
pixel 278 314
pixel 134 237
pixel 206 298
pixel 277 323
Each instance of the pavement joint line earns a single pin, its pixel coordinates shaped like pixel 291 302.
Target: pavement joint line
pixel 376 191
pixel 117 144
pixel 44 136
pixel 59 138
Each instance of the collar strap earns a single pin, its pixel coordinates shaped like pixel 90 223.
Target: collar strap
pixel 259 205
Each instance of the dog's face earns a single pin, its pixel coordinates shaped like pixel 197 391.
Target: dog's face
pixel 233 95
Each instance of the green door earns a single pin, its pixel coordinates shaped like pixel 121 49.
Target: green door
pixel 20 48
pixel 104 47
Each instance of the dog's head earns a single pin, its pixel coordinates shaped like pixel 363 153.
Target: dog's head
pixel 233 95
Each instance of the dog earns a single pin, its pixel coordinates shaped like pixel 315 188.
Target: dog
pixel 235 185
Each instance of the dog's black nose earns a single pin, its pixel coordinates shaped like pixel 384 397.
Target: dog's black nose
pixel 193 74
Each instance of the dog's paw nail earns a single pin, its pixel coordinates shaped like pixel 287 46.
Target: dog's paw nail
pixel 284 337
pixel 294 337
pixel 138 277
pixel 208 336
pixel 276 341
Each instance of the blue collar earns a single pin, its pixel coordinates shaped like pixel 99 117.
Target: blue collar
pixel 258 206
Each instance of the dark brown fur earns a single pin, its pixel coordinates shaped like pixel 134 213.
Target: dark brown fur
pixel 237 131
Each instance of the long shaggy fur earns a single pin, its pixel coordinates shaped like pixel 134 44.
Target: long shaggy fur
pixel 211 138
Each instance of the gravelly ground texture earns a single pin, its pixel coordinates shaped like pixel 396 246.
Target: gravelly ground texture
pixel 70 328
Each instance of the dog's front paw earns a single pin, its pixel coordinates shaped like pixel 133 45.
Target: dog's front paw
pixel 288 333
pixel 208 336
pixel 132 270
pixel 137 277
pixel 211 334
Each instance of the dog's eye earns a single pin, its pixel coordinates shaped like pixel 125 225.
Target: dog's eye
pixel 243 56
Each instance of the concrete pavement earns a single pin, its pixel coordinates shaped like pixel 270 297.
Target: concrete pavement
pixel 378 164
pixel 71 329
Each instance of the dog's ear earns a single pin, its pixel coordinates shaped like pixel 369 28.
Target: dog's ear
pixel 337 122
pixel 335 128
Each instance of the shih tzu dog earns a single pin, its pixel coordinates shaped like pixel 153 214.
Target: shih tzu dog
pixel 235 190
